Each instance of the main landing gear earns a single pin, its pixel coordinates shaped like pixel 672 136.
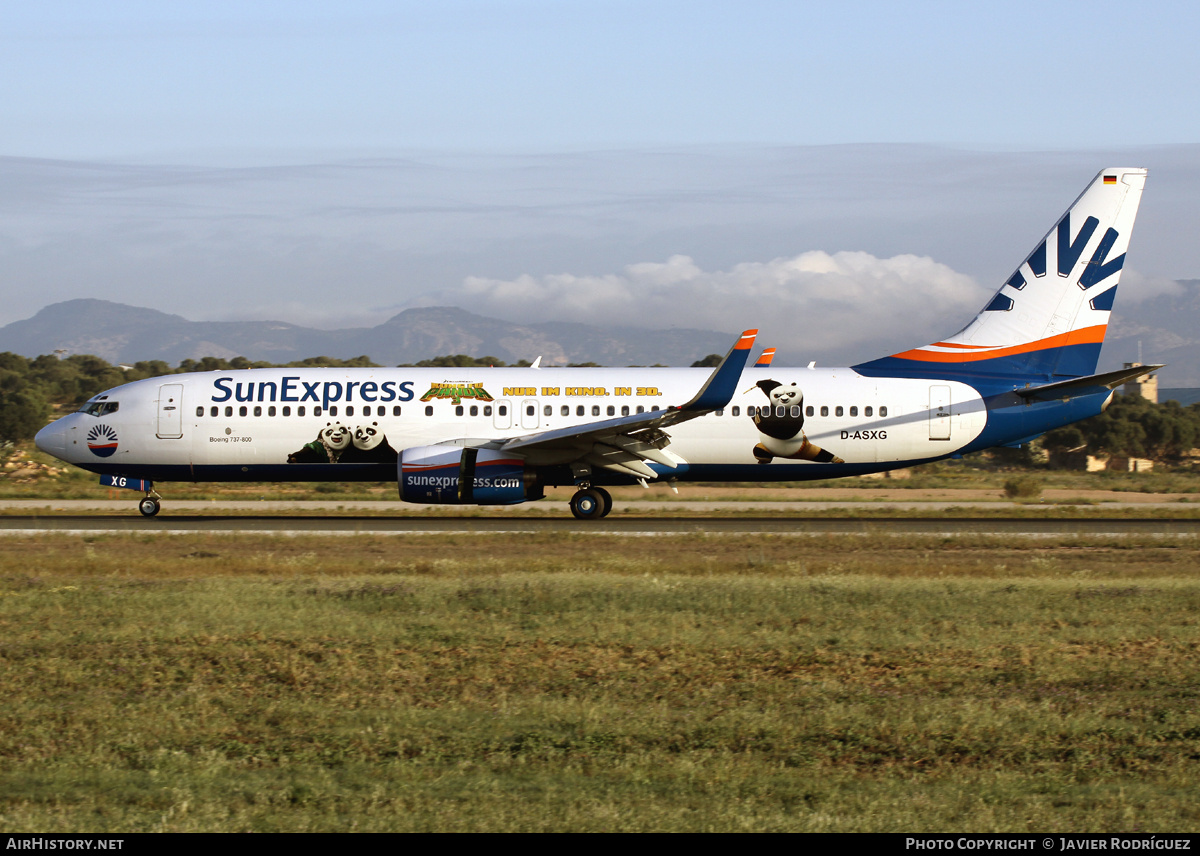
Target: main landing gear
pixel 150 504
pixel 591 503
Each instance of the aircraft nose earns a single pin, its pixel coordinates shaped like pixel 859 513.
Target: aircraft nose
pixel 53 439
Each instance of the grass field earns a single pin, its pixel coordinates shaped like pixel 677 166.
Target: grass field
pixel 217 682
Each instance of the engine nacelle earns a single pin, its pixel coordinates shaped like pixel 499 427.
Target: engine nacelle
pixel 457 476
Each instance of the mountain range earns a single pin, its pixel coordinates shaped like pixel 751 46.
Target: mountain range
pixel 127 334
pixel 1162 329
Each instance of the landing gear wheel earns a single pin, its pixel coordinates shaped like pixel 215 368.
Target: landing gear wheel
pixel 149 506
pixel 589 503
pixel 607 498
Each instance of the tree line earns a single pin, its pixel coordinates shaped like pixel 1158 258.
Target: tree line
pixel 1134 427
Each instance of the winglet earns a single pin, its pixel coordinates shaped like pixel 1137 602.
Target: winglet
pixel 764 359
pixel 722 383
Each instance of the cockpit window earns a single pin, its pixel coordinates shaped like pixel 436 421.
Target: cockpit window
pixel 100 408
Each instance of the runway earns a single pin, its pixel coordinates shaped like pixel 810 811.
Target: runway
pixel 612 526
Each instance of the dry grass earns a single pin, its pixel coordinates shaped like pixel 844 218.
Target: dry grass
pixel 586 683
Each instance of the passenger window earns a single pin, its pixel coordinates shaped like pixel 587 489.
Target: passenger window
pixel 333 410
pixel 579 410
pixel 502 410
pixel 654 407
pixel 300 410
pixel 215 411
pixel 735 411
pixel 883 411
pixel 548 410
pixel 396 410
pixel 271 410
pixel 624 409
pixel 487 410
pixel 474 410
pixel 641 409
pixel 317 410
pixel 350 410
pixel 612 411
pixel 837 410
pixel 566 410
pixel 595 409
pixel 530 410
pixel 824 410
pixel 458 411
pixel 867 411
pixel 258 410
pixel 795 410
pixel 428 409
pixel 242 410
pixel 228 411
pixel 199 411
pixel 808 411
pixel 780 410
pixel 853 411
pixel 287 411
pixel 718 413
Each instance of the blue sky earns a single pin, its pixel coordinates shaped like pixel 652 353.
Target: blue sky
pixel 136 79
pixel 332 164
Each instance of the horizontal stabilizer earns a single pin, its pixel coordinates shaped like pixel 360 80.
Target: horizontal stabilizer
pixel 1075 386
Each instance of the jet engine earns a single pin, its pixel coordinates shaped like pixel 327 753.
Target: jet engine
pixel 453 475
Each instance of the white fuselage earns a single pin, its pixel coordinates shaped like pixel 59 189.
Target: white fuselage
pixel 248 424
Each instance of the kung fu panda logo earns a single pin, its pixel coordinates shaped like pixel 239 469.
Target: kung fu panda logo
pixel 102 441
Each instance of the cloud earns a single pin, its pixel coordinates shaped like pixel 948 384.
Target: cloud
pixel 1137 287
pixel 816 303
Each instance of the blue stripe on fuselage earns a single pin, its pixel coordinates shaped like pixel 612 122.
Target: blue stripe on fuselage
pixel 1011 418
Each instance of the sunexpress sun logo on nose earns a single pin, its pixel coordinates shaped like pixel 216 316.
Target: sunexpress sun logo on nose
pixel 102 441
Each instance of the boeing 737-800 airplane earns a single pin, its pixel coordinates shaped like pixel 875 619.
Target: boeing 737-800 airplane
pixel 493 436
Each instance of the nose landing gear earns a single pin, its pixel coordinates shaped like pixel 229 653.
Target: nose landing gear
pixel 591 503
pixel 150 504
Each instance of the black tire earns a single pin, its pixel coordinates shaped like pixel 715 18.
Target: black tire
pixel 149 506
pixel 588 504
pixel 607 498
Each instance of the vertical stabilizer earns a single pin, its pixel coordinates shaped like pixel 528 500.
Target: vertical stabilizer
pixel 1049 318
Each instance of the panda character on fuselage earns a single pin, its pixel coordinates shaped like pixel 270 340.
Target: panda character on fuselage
pixel 369 446
pixel 331 442
pixel 782 427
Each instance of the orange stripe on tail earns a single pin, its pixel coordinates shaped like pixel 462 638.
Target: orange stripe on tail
pixel 1086 336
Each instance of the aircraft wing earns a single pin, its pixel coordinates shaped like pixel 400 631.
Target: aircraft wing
pixel 625 443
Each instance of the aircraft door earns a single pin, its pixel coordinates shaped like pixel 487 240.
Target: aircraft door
pixel 939 412
pixel 170 411
pixel 502 417
pixel 529 413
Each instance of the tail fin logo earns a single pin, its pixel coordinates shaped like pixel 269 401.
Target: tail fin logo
pixel 1068 251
